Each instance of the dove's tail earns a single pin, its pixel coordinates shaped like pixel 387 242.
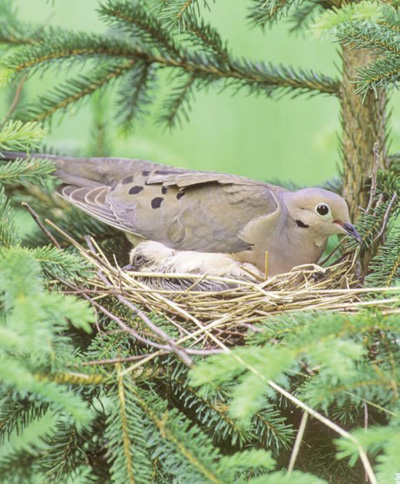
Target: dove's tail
pixel 89 172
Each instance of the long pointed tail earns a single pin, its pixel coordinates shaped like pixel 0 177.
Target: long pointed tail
pixel 86 172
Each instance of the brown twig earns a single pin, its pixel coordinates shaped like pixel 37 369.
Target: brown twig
pixel 333 251
pixel 115 318
pixel 386 217
pixel 373 177
pixel 36 218
pixel 15 101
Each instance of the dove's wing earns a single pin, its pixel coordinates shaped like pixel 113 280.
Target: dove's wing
pixel 187 210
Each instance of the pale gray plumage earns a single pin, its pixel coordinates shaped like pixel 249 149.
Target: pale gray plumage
pixel 204 212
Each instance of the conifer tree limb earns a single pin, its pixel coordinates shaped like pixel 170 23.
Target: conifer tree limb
pixel 73 91
pixel 118 56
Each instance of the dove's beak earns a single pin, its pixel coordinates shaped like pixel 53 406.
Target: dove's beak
pixel 349 229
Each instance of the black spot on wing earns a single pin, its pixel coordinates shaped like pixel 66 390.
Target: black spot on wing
pixel 179 195
pixel 164 190
pixel 156 202
pixel 128 179
pixel 145 173
pixel 135 190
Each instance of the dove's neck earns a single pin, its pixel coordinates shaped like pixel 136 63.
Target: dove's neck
pixel 287 248
pixel 287 240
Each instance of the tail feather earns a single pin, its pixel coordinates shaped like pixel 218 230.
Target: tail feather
pixel 89 172
pixel 82 197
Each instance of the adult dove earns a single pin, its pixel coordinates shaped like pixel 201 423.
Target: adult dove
pixel 196 221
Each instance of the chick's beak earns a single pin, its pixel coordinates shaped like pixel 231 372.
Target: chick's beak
pixel 350 230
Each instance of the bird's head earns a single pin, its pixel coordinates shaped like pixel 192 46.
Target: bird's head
pixel 320 212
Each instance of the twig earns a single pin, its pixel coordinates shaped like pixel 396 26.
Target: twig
pixel 115 318
pixel 180 352
pixel 325 260
pixel 15 101
pixel 297 442
pixel 373 177
pixel 36 218
pixel 386 217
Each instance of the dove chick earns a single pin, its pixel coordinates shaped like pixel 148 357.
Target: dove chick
pixel 202 222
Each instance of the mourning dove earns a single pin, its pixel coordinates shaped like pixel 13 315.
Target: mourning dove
pixel 204 222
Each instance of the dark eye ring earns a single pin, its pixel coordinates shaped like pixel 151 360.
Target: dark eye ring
pixel 322 209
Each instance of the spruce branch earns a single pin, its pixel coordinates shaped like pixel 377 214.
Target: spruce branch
pixel 30 441
pixel 70 47
pixel 134 20
pixel 178 13
pixel 210 62
pixel 257 78
pixel 370 36
pixel 23 171
pixel 177 103
pixel 304 14
pixel 74 91
pixel 385 266
pixel 101 133
pixel 199 457
pixel 17 136
pixel 202 35
pixel 13 32
pixel 265 12
pixel 272 429
pixel 333 19
pixel 8 228
pixel 65 452
pixel 379 73
pixel 384 440
pixel 373 225
pixel 61 263
pixel 17 414
pixel 368 25
pixel 211 410
pixel 134 95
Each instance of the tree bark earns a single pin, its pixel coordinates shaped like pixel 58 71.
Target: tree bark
pixel 364 124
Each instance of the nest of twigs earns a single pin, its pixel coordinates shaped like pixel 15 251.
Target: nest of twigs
pixel 212 319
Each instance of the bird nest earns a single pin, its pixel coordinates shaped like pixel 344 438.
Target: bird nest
pixel 208 320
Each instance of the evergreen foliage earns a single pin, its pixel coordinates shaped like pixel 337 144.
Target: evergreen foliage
pixel 374 26
pixel 141 46
pixel 83 401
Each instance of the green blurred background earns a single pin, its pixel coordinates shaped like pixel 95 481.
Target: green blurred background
pixel 284 139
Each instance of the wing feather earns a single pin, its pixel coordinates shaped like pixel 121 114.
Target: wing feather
pixel 187 210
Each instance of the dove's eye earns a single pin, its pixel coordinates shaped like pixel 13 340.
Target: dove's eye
pixel 322 209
